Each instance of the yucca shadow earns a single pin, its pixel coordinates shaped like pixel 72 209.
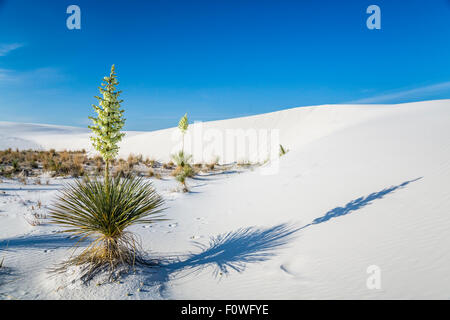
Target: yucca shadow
pixel 47 241
pixel 233 251
pixel 224 253
pixel 358 203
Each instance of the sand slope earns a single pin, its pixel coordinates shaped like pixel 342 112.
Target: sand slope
pixel 361 186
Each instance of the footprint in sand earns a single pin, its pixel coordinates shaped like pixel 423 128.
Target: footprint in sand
pixel 293 267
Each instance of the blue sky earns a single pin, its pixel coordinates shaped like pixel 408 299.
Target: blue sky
pixel 217 58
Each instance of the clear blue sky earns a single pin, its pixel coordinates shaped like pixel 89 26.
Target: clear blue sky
pixel 217 58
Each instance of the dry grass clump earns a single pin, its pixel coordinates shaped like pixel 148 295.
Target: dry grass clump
pixel 152 163
pixel 102 211
pixel 244 163
pixel 169 165
pixel 134 160
pixel 31 162
pixel 158 175
pixel 123 169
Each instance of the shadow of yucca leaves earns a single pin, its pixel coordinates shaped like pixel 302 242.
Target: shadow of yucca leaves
pixel 234 250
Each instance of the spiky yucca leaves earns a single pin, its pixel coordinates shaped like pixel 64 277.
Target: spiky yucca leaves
pixel 88 210
pixel 181 159
pixel 283 151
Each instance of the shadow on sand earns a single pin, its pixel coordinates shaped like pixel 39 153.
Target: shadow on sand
pixel 224 253
pixel 358 203
pixel 232 251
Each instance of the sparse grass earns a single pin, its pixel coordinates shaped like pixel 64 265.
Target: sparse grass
pixel 23 180
pixel 210 166
pixel 102 211
pixel 32 164
pixel 152 163
pixel 169 165
pixel 244 163
pixel 29 162
pixel 32 219
pixel 123 169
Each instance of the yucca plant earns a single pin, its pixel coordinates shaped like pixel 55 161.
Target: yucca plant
pixel 283 151
pixel 181 159
pixel 88 210
pixel 101 210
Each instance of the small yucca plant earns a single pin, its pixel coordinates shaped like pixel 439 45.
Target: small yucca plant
pixel 283 151
pixel 181 159
pixel 89 210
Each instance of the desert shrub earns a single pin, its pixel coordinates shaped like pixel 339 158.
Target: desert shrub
pixel 134 160
pixel 168 165
pixel 34 164
pixel 244 163
pixel 102 211
pixel 15 164
pixel 187 171
pixel 184 173
pixel 150 173
pixel 64 156
pixel 123 169
pixel 150 162
pixel 75 169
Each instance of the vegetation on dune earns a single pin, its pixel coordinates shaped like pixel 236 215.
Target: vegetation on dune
pixel 101 210
pixel 181 159
pixel 90 210
pixel 183 169
pixel 283 151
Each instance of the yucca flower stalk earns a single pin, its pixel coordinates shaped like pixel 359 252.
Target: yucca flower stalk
pixel 109 121
pixel 183 125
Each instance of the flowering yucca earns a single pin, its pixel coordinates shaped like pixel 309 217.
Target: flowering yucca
pixel 183 125
pixel 109 121
pixel 101 210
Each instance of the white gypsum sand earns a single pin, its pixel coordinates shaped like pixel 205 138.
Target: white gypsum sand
pixel 361 185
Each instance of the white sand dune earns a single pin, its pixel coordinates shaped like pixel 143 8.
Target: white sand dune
pixel 362 185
